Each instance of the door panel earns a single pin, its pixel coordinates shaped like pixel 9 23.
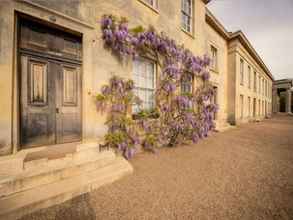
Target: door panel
pixel 37 107
pixel 68 104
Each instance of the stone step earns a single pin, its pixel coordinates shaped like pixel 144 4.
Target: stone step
pixel 55 170
pixel 87 146
pixel 19 204
pixel 81 149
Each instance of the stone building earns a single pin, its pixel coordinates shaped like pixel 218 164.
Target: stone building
pixel 282 96
pixel 53 62
pixel 248 82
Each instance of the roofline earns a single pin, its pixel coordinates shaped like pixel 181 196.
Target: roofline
pixel 216 24
pixel 245 42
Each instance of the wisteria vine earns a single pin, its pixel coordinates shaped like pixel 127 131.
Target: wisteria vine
pixel 182 116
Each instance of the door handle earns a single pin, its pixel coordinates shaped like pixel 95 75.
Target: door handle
pixel 57 110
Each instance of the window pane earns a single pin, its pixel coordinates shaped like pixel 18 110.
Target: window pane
pixel 186 14
pixel 186 6
pixel 214 58
pixel 144 82
pixel 186 85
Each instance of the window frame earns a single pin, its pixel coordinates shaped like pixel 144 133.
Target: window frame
pixel 249 106
pixel 189 16
pixel 215 101
pixel 255 81
pixel 241 106
pixel 241 71
pixel 188 82
pixel 249 76
pixel 214 65
pixel 259 84
pixel 139 88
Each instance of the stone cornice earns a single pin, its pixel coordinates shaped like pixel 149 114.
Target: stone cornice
pixel 247 45
pixel 217 26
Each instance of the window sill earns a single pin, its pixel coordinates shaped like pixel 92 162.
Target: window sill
pixel 149 6
pixel 188 33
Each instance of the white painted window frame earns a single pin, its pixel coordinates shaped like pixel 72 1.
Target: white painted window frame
pixel 140 89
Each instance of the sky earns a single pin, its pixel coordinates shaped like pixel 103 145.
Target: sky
pixel 268 24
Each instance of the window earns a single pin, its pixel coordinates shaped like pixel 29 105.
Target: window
pixel 186 15
pixel 186 84
pixel 269 90
pixel 262 86
pixel 215 101
pixel 259 107
pixel 241 72
pixel 249 107
pixel 144 73
pixel 266 88
pixel 152 3
pixel 214 60
pixel 249 77
pixel 254 107
pixel 241 106
pixel 259 84
pixel 255 82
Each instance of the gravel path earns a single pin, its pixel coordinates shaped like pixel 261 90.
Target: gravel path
pixel 243 173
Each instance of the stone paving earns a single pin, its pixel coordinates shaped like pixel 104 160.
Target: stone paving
pixel 243 173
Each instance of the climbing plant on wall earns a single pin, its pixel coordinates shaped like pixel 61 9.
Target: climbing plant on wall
pixel 182 117
pixel 116 99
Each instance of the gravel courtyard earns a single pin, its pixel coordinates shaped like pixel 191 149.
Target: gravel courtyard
pixel 243 173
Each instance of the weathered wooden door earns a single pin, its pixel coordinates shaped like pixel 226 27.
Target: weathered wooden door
pixel 68 111
pixel 37 102
pixel 50 86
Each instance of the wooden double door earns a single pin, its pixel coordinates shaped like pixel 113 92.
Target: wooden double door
pixel 50 90
pixel 50 102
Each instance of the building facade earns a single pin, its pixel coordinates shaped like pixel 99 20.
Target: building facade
pixel 53 62
pixel 282 96
pixel 241 79
pixel 248 80
pixel 252 98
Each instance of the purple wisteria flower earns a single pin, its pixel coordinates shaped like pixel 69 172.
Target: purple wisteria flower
pixel 106 22
pixel 205 75
pixel 169 87
pixel 106 90
pixel 172 71
pixel 183 102
pixel 206 60
pixel 118 108
pixel 178 120
pixel 129 153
